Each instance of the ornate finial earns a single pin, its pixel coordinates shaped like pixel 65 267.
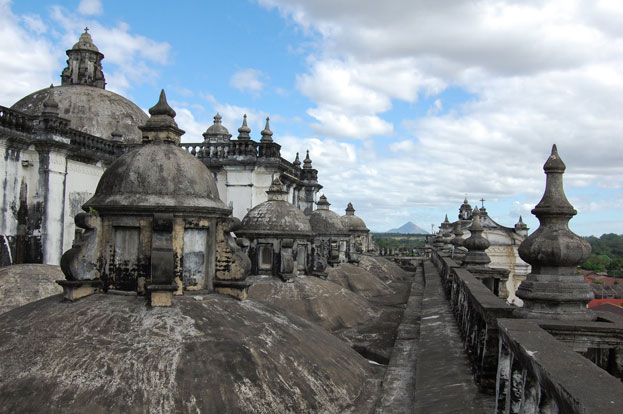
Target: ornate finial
pixel 553 289
pixel 244 130
pixel 350 210
pixel 217 133
pixel 297 161
pixel 267 134
pixel 161 126
pixel 276 191
pixel 482 200
pixel 476 244
pixel 307 162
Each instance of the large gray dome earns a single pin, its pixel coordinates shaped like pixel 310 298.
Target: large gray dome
pixel 275 217
pixel 110 353
pixel 95 111
pixel 157 176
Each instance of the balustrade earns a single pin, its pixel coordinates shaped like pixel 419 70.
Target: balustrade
pixel 15 120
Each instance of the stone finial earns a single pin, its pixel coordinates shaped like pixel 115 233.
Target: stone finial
pixel 244 130
pixel 350 210
pixel 267 134
pixel 446 219
pixel 276 191
pixel 217 133
pixel 521 228
pixel 476 244
pixel 307 162
pixel 458 239
pixel 297 161
pixel 323 203
pixel 50 106
pixel 554 289
pixel 161 126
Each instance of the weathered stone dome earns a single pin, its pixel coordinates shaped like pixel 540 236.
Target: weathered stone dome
pixel 210 354
pixel 95 111
pixel 275 217
pixel 158 176
pixel 351 222
pixel 324 221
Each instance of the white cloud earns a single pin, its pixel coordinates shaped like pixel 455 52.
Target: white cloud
pixel 90 7
pixel 248 80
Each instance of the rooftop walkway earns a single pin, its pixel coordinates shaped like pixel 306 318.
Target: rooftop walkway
pixel 444 383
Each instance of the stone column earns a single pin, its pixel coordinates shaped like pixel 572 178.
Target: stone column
pixel 554 289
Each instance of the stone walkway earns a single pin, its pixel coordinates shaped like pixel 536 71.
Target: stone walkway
pixel 444 382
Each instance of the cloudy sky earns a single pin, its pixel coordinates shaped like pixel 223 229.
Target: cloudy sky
pixel 406 106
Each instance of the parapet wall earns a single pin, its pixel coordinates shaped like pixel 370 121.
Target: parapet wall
pixel 532 365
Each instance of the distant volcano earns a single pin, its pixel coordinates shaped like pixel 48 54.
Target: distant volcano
pixel 408 228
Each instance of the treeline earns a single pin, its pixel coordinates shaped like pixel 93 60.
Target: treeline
pixel 606 255
pixel 399 240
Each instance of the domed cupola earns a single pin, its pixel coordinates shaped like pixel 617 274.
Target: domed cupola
pixel 353 223
pixel 83 100
pixel 332 238
pixel 217 132
pixel 279 235
pixel 156 224
pixel 158 176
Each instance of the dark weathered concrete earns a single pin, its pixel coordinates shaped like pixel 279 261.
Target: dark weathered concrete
pixel 25 283
pixel 398 388
pixel 444 382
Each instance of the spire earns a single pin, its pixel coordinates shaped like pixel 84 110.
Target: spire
pixel 84 66
pixel 553 289
pixel 307 162
pixel 297 161
pixel 276 190
pixel 323 203
pixel 161 126
pixel 244 130
pixel 446 219
pixel 350 210
pixel 267 134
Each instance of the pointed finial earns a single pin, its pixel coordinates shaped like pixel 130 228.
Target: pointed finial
pixel 307 162
pixel 297 161
pixel 267 134
pixel 50 105
pixel 161 126
pixel 244 130
pixel 162 107
pixel 276 191
pixel 553 289
pixel 323 203
pixel 446 219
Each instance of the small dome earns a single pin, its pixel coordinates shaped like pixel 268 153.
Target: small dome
pixel 324 221
pixel 217 130
pixel 95 111
pixel 351 222
pixel 157 176
pixel 275 217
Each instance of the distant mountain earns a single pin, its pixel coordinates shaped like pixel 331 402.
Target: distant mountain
pixel 408 228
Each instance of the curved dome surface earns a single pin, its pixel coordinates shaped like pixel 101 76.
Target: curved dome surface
pixel 353 223
pixel 275 217
pixel 110 353
pixel 157 176
pixel 95 111
pixel 326 222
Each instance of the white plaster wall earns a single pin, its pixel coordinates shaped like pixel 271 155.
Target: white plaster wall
pixel 262 179
pixel 53 236
pixel 221 185
pixel 239 190
pixel 80 185
pixel 9 197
